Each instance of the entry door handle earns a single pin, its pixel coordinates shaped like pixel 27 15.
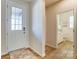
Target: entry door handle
pixel 24 29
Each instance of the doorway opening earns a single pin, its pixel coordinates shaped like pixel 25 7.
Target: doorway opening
pixel 65 32
pixel 65 26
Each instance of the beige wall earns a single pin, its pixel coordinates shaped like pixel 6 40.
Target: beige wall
pixel 51 13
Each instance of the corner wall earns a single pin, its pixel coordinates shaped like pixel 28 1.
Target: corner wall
pixel 37 33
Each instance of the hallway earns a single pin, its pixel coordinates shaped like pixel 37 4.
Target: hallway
pixel 65 51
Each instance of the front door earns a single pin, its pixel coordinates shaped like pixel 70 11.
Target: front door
pixel 17 27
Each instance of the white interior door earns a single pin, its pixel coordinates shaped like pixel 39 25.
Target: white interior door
pixel 17 27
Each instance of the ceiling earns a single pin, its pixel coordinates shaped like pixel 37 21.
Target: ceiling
pixel 28 0
pixel 49 2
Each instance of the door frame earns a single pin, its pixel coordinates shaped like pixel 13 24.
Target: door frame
pixel 57 24
pixel 75 34
pixel 75 30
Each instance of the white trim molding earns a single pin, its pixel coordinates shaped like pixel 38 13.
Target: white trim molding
pixel 42 55
pixel 53 46
pixel 4 53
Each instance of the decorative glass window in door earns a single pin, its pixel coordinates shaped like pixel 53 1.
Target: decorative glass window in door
pixel 16 19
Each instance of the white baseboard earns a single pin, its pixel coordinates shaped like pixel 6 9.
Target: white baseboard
pixel 42 55
pixel 4 53
pixel 27 47
pixel 51 45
